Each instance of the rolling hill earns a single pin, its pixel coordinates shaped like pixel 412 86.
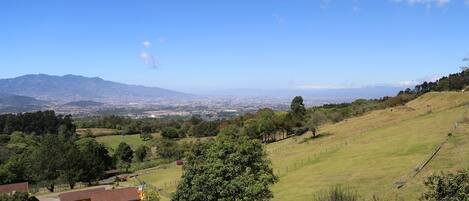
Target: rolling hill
pixel 83 104
pixel 370 154
pixel 70 88
pixel 15 103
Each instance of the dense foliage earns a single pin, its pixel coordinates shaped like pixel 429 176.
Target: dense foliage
pixel 18 196
pixel 232 167
pixel 37 123
pixel 447 187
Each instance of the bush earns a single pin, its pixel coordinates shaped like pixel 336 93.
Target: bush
pixel 337 193
pixel 447 187
pixel 170 132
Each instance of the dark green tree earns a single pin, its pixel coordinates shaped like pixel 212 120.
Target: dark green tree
pixel 72 166
pixel 170 132
pixel 95 160
pixel 124 155
pixel 297 107
pixel 447 187
pixel 232 167
pixel 250 129
pixel 141 152
pixel 48 160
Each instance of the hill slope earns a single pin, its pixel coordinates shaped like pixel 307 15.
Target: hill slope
pixel 74 88
pixel 369 153
pixel 15 103
pixel 372 152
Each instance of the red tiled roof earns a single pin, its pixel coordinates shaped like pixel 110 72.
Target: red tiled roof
pixel 80 195
pixel 124 194
pixel 18 187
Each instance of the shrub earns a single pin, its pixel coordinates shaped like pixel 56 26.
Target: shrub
pixel 447 187
pixel 337 193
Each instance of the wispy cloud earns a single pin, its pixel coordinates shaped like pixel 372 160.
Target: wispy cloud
pixel 324 4
pixel 147 57
pixel 162 39
pixel 426 3
pixel 355 6
pixel 466 2
pixel 279 19
pixel 325 86
pixel 412 83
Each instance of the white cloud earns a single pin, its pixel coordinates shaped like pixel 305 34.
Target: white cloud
pixel 466 2
pixel 146 44
pixel 147 57
pixel 426 3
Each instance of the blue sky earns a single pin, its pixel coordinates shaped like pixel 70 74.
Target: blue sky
pixel 210 45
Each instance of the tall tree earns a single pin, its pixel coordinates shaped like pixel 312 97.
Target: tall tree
pixel 232 167
pixel 141 153
pixel 48 160
pixel 124 155
pixel 72 166
pixel 95 160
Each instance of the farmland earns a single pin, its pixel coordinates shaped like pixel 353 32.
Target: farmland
pixel 369 153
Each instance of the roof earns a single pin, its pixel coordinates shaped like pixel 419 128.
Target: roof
pixel 17 187
pixel 80 195
pixel 124 194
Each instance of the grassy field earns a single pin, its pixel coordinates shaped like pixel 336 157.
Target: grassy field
pixel 368 153
pixel 114 140
pixel 97 131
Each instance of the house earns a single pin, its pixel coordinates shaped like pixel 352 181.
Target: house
pixel 101 194
pixel 10 189
pixel 124 194
pixel 84 195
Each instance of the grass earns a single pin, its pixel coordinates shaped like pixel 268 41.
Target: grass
pixel 113 141
pixel 369 153
pixel 98 131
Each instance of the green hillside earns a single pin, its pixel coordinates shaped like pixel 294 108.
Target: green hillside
pixel 370 153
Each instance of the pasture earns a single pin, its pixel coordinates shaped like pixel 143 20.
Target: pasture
pixel 369 153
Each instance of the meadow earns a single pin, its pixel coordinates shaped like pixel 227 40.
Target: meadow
pixel 369 154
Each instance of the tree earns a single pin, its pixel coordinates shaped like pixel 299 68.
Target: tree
pixel 124 155
pixel 231 167
pixel 95 160
pixel 150 195
pixel 72 165
pixel 447 187
pixel 141 153
pixel 316 120
pixel 146 136
pixel 48 160
pixel 167 148
pixel 297 107
pixel 266 126
pixel 170 132
pixel 250 129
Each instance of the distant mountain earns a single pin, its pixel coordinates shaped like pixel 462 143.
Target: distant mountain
pixel 70 88
pixel 15 103
pixel 84 104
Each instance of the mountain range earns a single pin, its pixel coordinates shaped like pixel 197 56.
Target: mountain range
pixel 70 88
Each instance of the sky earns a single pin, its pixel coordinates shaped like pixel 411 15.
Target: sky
pixel 236 44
